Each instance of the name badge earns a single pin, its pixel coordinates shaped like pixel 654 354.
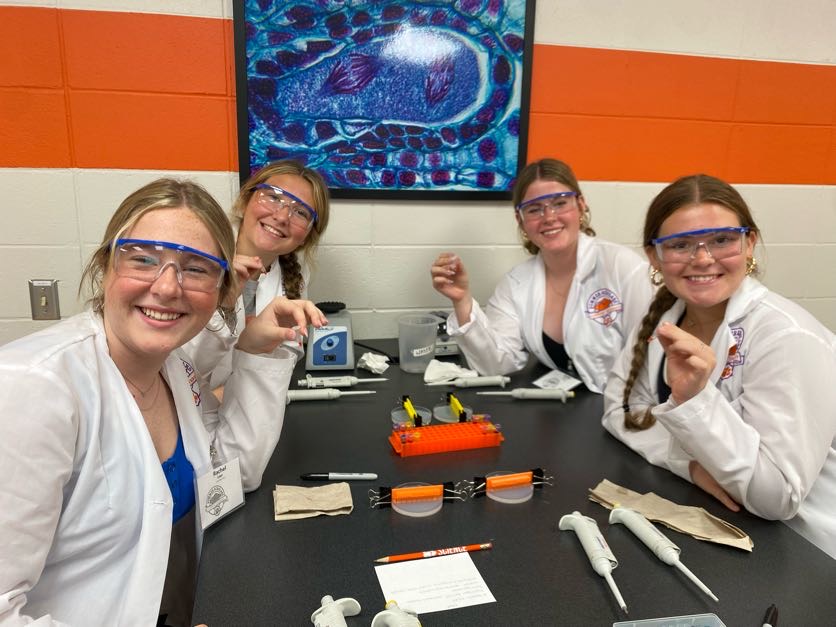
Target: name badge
pixel 219 492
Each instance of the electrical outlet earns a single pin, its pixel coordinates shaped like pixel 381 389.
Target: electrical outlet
pixel 43 297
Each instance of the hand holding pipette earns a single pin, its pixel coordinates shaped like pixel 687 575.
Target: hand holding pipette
pixel 321 394
pixel 597 550
pixel 535 393
pixel 656 541
pixel 333 382
pixel 475 382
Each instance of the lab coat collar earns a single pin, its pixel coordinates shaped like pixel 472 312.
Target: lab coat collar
pixel 586 258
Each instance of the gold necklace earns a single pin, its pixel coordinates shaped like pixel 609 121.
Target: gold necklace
pixel 142 393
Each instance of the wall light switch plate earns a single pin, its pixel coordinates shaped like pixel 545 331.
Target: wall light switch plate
pixel 43 297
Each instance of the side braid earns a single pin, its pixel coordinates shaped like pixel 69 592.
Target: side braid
pixel 663 301
pixel 291 275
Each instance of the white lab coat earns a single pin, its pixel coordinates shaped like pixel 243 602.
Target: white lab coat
pixel 609 295
pixel 85 509
pixel 212 348
pixel 765 426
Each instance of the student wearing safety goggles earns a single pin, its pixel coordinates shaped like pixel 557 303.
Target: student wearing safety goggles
pixel 726 383
pixel 281 213
pixel 572 304
pixel 103 425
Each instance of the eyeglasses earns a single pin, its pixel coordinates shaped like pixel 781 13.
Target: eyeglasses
pixel 145 260
pixel 277 199
pixel 534 209
pixel 719 243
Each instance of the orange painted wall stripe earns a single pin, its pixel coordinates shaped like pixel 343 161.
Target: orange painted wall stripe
pixel 98 89
pixel 643 116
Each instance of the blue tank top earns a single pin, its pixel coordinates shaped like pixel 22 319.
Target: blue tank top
pixel 180 476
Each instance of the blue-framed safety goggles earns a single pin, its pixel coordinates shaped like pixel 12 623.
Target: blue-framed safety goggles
pixel 719 243
pixel 536 207
pixel 145 260
pixel 277 198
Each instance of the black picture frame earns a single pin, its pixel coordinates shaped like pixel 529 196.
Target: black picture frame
pixel 360 75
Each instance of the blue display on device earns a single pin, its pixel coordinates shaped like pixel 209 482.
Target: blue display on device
pixel 330 346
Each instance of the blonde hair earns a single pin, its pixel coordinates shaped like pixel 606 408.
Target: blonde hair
pixel 686 191
pixel 549 170
pixel 289 263
pixel 164 193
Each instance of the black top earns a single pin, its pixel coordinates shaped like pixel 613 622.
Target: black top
pixel 558 354
pixel 255 571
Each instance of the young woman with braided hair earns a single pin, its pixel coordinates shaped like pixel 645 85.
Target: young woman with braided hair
pixel 724 382
pixel 281 212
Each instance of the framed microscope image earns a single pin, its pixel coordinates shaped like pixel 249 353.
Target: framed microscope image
pixel 402 99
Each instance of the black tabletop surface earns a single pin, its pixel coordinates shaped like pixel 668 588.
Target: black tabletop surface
pixel 255 571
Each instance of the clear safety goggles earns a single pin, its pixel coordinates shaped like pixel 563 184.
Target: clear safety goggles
pixel 145 260
pixel 558 203
pixel 719 243
pixel 277 199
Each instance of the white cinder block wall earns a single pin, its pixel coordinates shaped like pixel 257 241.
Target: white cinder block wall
pixel 376 255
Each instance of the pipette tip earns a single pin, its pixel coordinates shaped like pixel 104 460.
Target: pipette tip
pixel 616 592
pixel 696 580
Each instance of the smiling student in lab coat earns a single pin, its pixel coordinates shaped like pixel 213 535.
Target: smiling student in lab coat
pixel 725 383
pixel 572 304
pixel 103 425
pixel 280 214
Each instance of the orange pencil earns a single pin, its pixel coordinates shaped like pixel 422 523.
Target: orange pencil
pixel 437 552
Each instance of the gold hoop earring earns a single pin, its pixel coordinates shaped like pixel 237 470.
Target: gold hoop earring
pixel 751 266
pixel 656 277
pixel 585 219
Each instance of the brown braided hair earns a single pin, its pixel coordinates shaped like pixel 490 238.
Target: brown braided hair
pixel 550 170
pixel 686 191
pixel 292 280
pixel 663 301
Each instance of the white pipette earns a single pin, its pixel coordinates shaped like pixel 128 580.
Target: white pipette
pixel 597 550
pixel 333 382
pixel 332 613
pixel 656 541
pixel 475 382
pixel 535 393
pixel 321 394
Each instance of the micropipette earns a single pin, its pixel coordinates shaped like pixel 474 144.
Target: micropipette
pixel 656 541
pixel 332 613
pixel 333 382
pixel 597 550
pixel 475 382
pixel 535 393
pixel 321 394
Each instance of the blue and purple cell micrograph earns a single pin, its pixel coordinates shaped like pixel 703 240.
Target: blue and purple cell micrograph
pixel 421 95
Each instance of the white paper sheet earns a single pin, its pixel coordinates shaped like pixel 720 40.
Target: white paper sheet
pixel 557 380
pixel 434 584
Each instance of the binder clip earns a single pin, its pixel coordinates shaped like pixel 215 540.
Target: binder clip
pixel 409 415
pixel 508 487
pixel 452 410
pixel 416 499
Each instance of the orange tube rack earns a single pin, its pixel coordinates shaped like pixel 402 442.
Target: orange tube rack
pixel 446 437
